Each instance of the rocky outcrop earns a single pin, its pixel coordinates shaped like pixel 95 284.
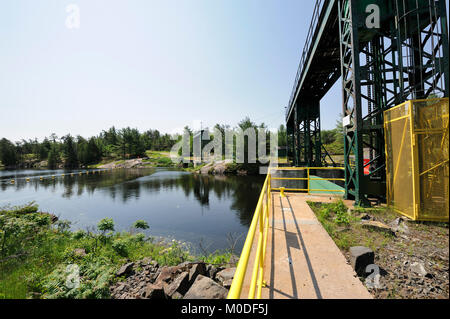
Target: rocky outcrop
pixel 132 163
pixel 217 168
pixel 206 288
pixel 125 270
pixel 146 279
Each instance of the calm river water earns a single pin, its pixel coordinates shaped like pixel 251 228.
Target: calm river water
pixel 179 205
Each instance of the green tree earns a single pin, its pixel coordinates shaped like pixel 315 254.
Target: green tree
pixel 8 153
pixel 53 157
pixel 94 152
pixel 282 136
pixel 70 153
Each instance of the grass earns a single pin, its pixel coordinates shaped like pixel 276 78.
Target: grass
pixel 344 226
pixel 35 255
pixel 155 159
pixel 158 159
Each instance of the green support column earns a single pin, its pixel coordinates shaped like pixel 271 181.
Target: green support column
pixel 352 110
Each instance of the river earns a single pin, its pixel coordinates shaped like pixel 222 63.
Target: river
pixel 202 211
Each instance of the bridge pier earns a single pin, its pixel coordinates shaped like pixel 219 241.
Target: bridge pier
pixel 304 135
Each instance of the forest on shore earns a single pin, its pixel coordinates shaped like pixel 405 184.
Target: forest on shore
pixel 118 144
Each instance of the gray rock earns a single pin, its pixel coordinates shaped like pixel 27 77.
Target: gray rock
pixel 185 266
pixel 211 271
pixel 399 225
pixel 166 274
pixel 419 269
pixel 180 285
pixel 154 292
pixel 226 274
pixel 197 269
pixel 125 270
pixel 206 288
pixel 206 169
pixel 360 258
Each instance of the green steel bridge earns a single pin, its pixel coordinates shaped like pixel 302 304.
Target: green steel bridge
pixel 384 52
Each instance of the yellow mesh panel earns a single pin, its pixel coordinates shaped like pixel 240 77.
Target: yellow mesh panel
pixel 399 164
pixel 418 159
pixel 431 132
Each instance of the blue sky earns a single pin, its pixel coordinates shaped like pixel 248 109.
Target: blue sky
pixel 149 64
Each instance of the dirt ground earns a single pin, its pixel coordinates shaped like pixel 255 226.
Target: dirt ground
pixel 413 259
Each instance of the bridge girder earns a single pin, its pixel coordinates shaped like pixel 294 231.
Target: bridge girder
pixel 405 58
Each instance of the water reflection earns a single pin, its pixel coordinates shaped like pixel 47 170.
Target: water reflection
pixel 226 203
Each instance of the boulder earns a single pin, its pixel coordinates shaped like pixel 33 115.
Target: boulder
pixel 154 292
pixel 125 270
pixel 167 274
pixel 226 274
pixel 197 269
pixel 360 258
pixel 419 268
pixel 220 168
pixel 206 288
pixel 205 169
pixel 180 285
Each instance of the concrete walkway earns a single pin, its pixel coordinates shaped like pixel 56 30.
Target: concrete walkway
pixel 302 260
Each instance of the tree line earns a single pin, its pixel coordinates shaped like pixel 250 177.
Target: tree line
pixel 78 151
pixel 112 144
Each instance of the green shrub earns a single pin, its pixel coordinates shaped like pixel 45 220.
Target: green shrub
pixel 92 280
pixel 139 238
pixel 140 224
pixel 79 234
pixel 120 247
pixel 106 224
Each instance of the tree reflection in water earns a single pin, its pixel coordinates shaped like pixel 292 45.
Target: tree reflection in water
pixel 128 184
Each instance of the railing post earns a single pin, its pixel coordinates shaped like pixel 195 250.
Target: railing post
pixel 307 172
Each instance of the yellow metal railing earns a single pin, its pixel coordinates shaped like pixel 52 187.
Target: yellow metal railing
pixel 261 217
pixel 307 178
pixel 260 227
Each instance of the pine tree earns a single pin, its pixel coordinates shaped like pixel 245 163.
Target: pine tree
pixel 70 152
pixel 53 157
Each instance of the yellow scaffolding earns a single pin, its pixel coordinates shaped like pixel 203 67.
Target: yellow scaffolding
pixel 417 155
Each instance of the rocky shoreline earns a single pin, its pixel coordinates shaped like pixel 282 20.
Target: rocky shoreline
pixel 146 279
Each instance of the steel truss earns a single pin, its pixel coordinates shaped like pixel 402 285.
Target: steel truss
pixel 406 58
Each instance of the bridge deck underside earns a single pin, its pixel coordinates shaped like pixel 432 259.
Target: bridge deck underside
pixel 324 68
pixel 302 260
